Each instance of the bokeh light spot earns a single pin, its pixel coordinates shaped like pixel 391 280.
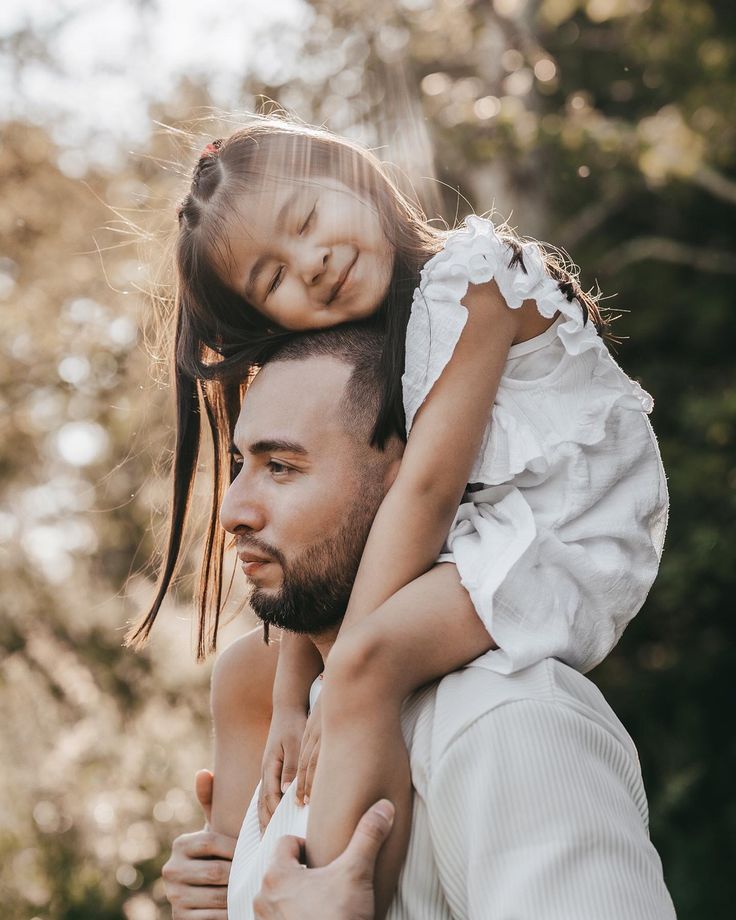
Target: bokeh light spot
pixel 545 70
pixel 74 369
pixel 81 443
pixel 487 107
pixel 435 83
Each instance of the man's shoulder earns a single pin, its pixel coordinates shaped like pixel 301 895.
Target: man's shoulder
pixel 466 701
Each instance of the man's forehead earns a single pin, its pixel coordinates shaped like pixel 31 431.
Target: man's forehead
pixel 295 399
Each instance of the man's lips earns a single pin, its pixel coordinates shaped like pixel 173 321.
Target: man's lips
pixel 252 562
pixel 342 279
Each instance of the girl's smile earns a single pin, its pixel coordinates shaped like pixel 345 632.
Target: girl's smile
pixel 307 254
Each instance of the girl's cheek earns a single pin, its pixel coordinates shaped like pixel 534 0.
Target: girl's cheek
pixel 296 314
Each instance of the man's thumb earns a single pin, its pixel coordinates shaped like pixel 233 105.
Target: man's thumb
pixel 203 784
pixel 369 836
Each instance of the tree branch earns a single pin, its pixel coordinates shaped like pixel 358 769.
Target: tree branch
pixel 589 219
pixel 716 183
pixel 661 249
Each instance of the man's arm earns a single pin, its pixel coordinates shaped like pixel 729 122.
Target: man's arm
pixel 536 813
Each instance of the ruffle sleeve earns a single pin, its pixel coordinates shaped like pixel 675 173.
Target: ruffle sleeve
pixel 476 254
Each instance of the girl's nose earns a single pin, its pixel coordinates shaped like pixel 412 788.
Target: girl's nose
pixel 313 263
pixel 240 509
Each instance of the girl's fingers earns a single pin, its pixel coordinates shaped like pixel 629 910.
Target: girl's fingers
pixel 262 812
pixel 270 793
pixel 301 775
pixel 289 767
pixel 310 771
pixel 271 774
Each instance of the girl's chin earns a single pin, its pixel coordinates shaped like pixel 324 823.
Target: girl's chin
pixel 363 309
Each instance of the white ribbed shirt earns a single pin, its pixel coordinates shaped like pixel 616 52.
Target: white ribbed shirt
pixel 528 805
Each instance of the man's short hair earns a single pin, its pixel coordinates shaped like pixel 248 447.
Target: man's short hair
pixel 358 345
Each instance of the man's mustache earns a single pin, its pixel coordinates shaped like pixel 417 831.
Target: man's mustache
pixel 248 541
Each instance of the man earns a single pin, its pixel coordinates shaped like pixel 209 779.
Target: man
pixel 528 796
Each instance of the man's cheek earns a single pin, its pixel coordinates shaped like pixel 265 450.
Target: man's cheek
pixel 309 519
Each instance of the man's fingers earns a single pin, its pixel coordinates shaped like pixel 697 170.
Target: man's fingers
pixel 288 852
pixel 207 843
pixel 203 786
pixel 368 838
pixel 197 872
pixel 186 913
pixel 200 898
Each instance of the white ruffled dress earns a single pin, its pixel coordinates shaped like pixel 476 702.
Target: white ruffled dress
pixel 559 540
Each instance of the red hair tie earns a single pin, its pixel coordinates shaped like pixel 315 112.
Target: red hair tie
pixel 211 150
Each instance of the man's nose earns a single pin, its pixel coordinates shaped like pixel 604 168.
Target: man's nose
pixel 241 509
pixel 312 262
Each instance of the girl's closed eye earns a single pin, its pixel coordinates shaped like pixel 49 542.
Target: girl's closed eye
pixel 279 276
pixel 277 279
pixel 309 220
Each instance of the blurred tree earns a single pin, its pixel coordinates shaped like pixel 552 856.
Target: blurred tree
pixel 98 745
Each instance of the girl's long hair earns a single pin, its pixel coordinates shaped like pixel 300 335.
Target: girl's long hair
pixel 220 339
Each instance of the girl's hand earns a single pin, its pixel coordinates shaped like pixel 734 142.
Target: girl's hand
pixel 280 759
pixel 308 755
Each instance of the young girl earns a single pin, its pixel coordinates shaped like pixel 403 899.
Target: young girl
pixel 530 466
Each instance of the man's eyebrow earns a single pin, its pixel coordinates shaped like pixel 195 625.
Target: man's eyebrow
pixel 276 445
pixel 261 261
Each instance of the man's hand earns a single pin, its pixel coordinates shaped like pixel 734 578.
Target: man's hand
pixel 341 891
pixel 198 869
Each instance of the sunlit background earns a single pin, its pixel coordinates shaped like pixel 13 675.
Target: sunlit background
pixel 605 126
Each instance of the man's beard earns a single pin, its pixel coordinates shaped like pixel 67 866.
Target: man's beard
pixel 316 586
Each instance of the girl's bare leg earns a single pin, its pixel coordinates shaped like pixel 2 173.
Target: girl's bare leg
pixel 423 632
pixel 241 694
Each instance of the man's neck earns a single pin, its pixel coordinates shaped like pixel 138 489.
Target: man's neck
pixel 324 641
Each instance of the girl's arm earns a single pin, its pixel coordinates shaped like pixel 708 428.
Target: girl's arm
pixel 415 516
pixel 299 663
